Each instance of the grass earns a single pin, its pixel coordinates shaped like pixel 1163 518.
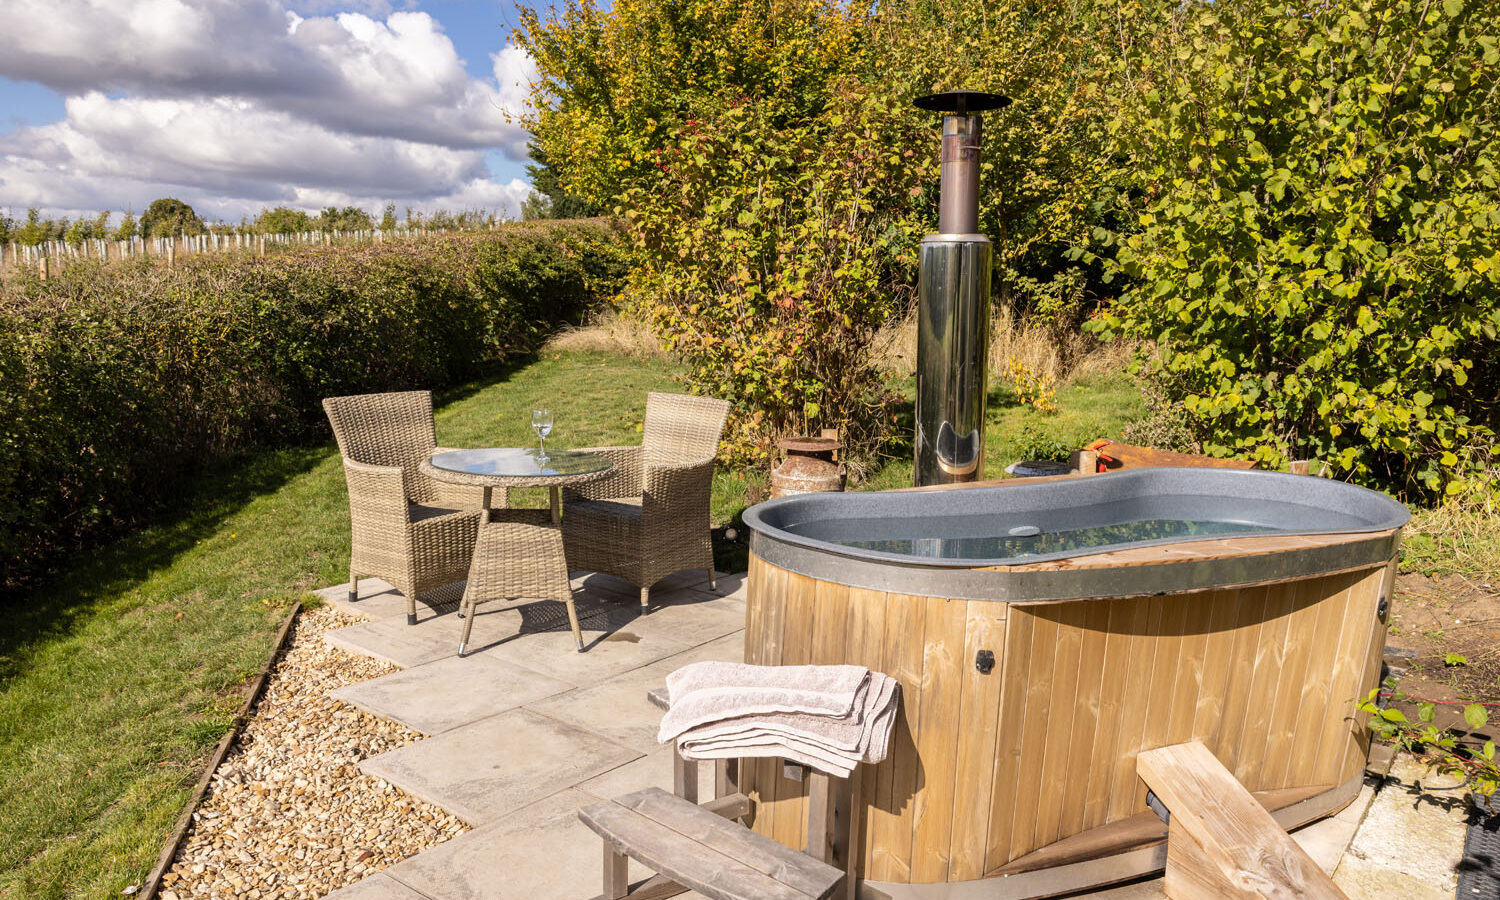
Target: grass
pixel 1091 406
pixel 117 679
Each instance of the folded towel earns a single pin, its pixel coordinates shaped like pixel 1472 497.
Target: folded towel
pixel 711 691
pixel 859 733
pixel 832 744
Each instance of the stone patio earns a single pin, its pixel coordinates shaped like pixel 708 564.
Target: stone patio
pixel 525 730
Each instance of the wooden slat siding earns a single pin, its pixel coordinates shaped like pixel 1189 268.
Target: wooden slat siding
pixel 1096 615
pixel 937 738
pixel 1306 714
pixel 1165 661
pixel 830 645
pixel 1262 697
pixel 1208 709
pixel 1013 666
pixel 867 648
pixel 1127 623
pixel 1059 750
pixel 979 717
pixel 1248 626
pixel 768 771
pixel 1188 683
pixel 1038 701
pixel 1290 681
pixel 790 827
pixel 759 593
pixel 1357 747
pixel 905 620
pixel 1348 667
pixel 1128 736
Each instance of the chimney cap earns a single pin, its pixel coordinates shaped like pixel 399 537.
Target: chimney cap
pixel 962 103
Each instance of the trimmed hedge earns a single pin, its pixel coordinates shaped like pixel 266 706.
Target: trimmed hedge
pixel 117 380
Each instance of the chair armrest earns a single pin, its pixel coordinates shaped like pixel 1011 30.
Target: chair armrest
pixel 624 480
pixel 678 491
pixel 377 492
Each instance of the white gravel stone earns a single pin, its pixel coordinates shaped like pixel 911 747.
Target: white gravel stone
pixel 289 814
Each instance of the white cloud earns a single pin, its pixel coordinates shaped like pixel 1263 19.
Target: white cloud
pixel 251 103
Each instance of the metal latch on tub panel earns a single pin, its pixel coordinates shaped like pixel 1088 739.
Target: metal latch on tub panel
pixel 984 661
pixel 1383 607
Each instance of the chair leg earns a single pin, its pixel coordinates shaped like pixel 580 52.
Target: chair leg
pixel 353 585
pixel 573 621
pixel 467 609
pixel 713 579
pixel 645 597
pixel 411 607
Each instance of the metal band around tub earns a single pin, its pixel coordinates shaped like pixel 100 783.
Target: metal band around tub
pixel 1042 585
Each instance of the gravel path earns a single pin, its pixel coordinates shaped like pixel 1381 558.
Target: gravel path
pixel 289 814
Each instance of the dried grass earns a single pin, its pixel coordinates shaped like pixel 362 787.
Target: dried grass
pixel 1028 343
pixel 611 332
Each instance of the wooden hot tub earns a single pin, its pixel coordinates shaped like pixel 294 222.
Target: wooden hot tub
pixel 1123 612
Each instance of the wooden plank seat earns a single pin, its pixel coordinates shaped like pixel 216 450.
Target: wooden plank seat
pixel 702 851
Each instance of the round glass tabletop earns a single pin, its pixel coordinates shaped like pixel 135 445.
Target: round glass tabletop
pixel 515 462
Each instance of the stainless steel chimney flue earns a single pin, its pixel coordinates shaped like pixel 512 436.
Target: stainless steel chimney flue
pixel 953 315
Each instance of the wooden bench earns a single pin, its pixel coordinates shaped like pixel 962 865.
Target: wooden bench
pixel 702 847
pixel 697 849
pixel 1221 843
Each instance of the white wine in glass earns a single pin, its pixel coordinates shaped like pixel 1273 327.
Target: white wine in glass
pixel 541 423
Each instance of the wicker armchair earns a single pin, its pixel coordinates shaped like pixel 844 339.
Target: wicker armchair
pixel 649 517
pixel 413 531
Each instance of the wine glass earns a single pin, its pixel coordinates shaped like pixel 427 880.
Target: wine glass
pixel 541 423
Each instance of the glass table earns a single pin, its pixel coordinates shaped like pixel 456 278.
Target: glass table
pixel 518 555
pixel 516 467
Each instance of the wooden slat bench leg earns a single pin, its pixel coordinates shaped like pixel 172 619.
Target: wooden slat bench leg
pixel 684 777
pixel 616 873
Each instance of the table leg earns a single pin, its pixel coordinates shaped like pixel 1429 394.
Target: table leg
pixel 484 516
pixel 556 505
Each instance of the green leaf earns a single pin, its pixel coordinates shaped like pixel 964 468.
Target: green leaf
pixel 1475 715
pixel 1455 659
pixel 1453 7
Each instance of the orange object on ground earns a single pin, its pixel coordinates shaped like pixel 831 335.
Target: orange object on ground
pixel 1115 455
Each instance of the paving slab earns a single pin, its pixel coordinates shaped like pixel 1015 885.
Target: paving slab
pixel 379 886
pixel 1411 840
pixel 436 633
pixel 480 772
pixel 378 600
pixel 439 696
pixel 613 644
pixel 540 853
pixel 618 708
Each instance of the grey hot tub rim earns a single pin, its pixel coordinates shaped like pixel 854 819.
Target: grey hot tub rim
pixel 792 532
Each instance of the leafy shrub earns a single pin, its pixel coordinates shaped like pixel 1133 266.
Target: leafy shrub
pixel 115 380
pixel 777 179
pixel 1316 256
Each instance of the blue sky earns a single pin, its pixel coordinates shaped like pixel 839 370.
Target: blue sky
pixel 237 105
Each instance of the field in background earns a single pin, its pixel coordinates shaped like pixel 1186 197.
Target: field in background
pixel 49 258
